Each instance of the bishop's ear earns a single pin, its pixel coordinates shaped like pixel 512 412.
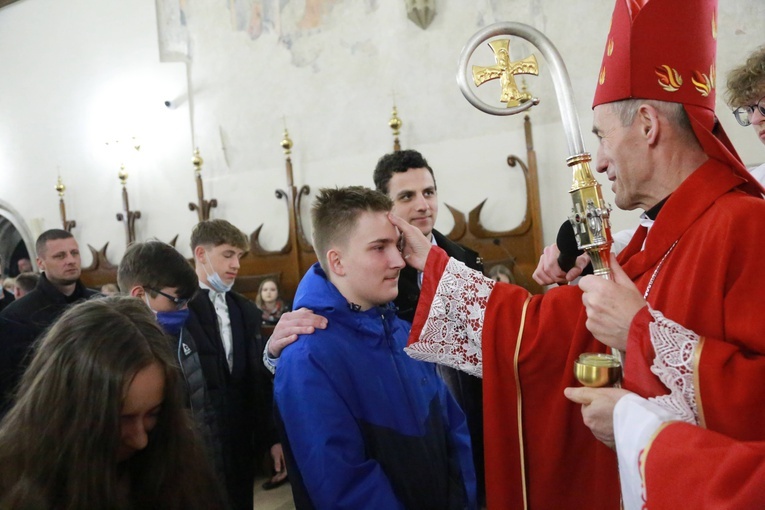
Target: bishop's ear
pixel 648 118
pixel 335 262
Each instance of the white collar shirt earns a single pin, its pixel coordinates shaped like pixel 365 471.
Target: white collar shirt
pixel 218 300
pixel 419 273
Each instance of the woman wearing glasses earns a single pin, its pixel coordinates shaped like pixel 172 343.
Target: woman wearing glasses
pixel 746 95
pixel 99 420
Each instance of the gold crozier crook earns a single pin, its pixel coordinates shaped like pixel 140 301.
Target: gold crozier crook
pixel 591 215
pixel 506 70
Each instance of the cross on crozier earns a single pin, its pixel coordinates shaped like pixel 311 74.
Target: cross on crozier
pixel 506 70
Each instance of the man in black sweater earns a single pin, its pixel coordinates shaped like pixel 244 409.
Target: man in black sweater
pixel 58 257
pixel 59 286
pixel 408 180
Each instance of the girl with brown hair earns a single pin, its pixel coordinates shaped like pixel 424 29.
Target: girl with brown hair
pixel 99 420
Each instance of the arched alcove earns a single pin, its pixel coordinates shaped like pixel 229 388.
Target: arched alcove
pixel 14 230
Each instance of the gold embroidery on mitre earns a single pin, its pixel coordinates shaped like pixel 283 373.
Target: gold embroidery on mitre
pixel 602 76
pixel 713 75
pixel 669 79
pixel 702 82
pixel 714 26
pixel 610 47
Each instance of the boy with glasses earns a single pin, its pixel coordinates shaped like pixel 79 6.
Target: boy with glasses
pixel 158 275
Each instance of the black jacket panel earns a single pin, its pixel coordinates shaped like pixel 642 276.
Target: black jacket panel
pixel 25 319
pixel 466 389
pixel 241 398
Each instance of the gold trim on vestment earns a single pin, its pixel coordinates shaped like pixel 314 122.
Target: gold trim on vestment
pixel 520 403
pixel 643 457
pixel 697 382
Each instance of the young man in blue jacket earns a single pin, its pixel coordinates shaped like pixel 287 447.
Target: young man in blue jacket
pixel 365 425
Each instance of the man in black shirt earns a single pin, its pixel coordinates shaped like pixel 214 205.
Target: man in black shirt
pixel 59 286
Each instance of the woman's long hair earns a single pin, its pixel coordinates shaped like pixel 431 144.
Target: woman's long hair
pixel 58 444
pixel 259 297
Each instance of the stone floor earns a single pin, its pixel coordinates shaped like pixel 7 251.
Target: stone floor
pixel 275 499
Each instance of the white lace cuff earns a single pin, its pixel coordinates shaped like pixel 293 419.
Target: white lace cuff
pixel 674 347
pixel 452 332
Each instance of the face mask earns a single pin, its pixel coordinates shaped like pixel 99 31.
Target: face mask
pixel 214 279
pixel 172 322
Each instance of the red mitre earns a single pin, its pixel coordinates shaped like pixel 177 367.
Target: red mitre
pixel 665 50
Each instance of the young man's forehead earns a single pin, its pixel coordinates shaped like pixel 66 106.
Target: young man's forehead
pixel 413 178
pixel 373 227
pixel 225 247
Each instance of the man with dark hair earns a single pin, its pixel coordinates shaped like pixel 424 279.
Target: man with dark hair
pixel 58 257
pixel 158 275
pixel 148 268
pixel 226 328
pixel 59 286
pixel 366 426
pixel 408 180
pixel 24 284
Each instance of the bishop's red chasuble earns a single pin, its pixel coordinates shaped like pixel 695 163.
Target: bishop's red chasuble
pixel 717 471
pixel 702 262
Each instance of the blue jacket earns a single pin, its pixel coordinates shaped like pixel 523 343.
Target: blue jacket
pixel 366 426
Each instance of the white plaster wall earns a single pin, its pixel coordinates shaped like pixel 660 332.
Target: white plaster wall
pixel 79 73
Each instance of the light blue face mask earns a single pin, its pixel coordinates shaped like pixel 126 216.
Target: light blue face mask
pixel 214 279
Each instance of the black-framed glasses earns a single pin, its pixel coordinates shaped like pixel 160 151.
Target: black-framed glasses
pixel 744 113
pixel 178 302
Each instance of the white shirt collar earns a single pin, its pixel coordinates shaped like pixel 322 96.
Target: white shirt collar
pixel 212 294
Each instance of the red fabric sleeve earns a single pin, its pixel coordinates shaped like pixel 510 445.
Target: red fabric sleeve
pixel 434 268
pixel 639 358
pixel 691 467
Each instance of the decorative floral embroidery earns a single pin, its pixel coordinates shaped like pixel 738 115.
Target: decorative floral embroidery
pixel 673 365
pixel 702 82
pixel 669 79
pixel 452 334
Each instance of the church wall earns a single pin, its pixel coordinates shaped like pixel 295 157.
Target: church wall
pixel 78 74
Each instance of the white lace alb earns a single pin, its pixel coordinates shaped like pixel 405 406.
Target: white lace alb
pixel 674 348
pixel 452 332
